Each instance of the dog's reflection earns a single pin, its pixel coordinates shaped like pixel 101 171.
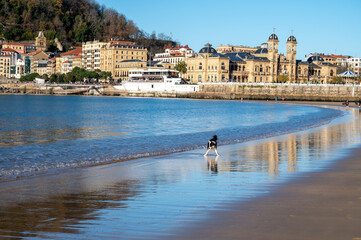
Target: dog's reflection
pixel 212 163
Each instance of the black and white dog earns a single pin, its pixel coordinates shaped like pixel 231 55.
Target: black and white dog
pixel 212 144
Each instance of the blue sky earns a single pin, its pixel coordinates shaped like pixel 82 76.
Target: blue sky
pixel 319 26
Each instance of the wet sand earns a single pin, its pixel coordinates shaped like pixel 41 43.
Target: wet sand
pixel 318 205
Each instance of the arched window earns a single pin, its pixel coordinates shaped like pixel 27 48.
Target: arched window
pixel 244 68
pixel 289 48
pixel 270 46
pixel 200 66
pixel 293 48
pixel 261 68
pixel 274 46
pixel 256 69
pixel 331 72
pixel 223 66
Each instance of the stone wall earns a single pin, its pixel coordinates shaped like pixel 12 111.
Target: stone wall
pixel 288 91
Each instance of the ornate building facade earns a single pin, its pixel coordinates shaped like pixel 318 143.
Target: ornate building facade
pixel 264 65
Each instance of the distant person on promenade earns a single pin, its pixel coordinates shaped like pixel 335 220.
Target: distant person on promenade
pixel 212 144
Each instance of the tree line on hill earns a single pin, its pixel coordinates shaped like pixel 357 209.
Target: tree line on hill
pixel 72 22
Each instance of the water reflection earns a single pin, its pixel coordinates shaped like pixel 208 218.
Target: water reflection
pixel 151 196
pixel 212 163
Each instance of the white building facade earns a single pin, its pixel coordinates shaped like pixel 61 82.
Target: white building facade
pixel 91 55
pixel 354 65
pixel 174 55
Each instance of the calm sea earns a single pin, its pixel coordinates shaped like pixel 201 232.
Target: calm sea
pixel 39 134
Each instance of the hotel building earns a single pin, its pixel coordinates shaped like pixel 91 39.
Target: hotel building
pixel 113 53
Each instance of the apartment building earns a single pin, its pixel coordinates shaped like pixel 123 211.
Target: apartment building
pixel 115 52
pixel 91 55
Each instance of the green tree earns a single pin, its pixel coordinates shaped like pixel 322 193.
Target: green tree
pixel 181 67
pixel 282 78
pixel 337 80
pixel 29 77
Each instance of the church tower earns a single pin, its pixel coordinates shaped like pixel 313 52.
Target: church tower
pixel 273 55
pixel 40 42
pixel 291 56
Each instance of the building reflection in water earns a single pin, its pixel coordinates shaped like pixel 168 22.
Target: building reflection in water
pixel 309 146
pixel 71 204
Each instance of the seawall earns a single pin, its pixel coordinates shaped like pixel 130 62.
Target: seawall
pixel 296 92
pixel 299 92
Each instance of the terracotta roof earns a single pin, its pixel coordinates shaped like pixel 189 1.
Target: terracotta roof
pixel 179 47
pixel 8 50
pixel 333 56
pixel 67 61
pixel 75 51
pixel 121 42
pixel 16 43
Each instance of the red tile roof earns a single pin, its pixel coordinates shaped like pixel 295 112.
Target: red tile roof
pixel 8 50
pixel 75 51
pixel 19 44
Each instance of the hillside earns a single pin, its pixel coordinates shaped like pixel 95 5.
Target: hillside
pixel 72 22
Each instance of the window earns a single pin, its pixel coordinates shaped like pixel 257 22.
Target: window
pixel 199 78
pixel 200 66
pixel 223 66
pixel 261 69
pixel 223 78
pixel 331 73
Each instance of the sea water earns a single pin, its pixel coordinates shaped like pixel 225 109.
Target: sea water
pixel 39 134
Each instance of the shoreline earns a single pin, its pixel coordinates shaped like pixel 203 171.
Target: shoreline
pixel 56 171
pixel 318 205
pixel 312 205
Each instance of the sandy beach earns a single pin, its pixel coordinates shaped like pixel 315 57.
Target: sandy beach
pixel 308 187
pixel 318 205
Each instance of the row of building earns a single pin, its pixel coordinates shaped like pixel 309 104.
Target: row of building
pixel 223 64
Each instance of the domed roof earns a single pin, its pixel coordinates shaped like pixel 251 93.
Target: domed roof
pixel 315 58
pixel 208 49
pixel 261 51
pixel 273 37
pixel 291 39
